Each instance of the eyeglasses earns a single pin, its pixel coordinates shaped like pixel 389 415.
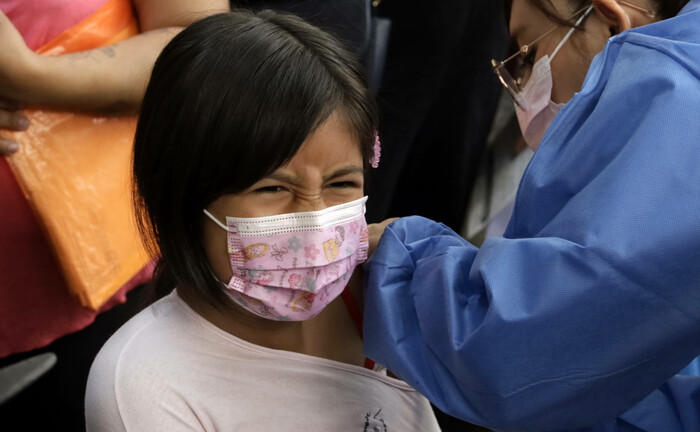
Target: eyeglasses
pixel 647 12
pixel 515 85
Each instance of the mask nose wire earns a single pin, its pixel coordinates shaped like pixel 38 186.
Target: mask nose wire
pixel 211 216
pixel 570 32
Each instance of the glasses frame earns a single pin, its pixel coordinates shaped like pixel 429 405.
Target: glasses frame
pixel 512 85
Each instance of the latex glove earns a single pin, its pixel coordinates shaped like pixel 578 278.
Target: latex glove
pixel 375 233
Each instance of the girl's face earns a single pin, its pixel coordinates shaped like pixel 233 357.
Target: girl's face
pixel 326 171
pixel 570 66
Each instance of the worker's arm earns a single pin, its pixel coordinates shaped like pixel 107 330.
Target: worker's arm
pixel 524 334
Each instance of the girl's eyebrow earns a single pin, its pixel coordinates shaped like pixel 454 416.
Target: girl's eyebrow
pixel 291 179
pixel 287 178
pixel 348 170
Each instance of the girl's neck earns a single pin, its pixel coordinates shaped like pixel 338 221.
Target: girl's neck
pixel 332 334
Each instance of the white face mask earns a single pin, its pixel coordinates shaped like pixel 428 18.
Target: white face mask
pixel 538 110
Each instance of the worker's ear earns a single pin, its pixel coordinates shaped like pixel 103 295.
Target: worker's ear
pixel 612 13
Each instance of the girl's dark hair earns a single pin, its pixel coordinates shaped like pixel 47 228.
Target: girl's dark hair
pixel 230 100
pixel 664 9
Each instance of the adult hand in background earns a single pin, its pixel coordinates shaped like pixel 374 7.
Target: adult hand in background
pixel 10 119
pixel 15 58
pixel 375 233
pixel 16 61
pixel 110 79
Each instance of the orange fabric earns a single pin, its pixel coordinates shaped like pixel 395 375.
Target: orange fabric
pixel 113 22
pixel 74 170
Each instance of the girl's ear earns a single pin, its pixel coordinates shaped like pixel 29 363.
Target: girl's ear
pixel 612 13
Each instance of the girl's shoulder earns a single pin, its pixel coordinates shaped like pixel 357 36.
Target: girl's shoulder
pixel 128 380
pixel 162 336
pixel 169 368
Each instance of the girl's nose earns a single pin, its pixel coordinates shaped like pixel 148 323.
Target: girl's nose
pixel 309 205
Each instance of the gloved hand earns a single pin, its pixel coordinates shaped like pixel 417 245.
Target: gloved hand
pixel 375 233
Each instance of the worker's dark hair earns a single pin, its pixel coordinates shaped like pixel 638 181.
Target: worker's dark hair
pixel 230 100
pixel 663 8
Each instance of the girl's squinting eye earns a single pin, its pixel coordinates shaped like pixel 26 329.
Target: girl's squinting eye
pixel 269 189
pixel 345 184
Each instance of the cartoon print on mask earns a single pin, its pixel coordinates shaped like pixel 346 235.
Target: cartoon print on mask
pixel 311 251
pixel 302 301
pixel 265 310
pixel 279 253
pixel 260 276
pixel 330 247
pixel 295 280
pixel 294 244
pixel 256 250
pixel 364 235
pixel 309 284
pixel 334 271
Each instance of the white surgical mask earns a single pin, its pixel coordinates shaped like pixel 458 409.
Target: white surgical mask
pixel 538 110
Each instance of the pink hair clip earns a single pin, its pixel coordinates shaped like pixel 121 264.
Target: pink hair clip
pixel 377 150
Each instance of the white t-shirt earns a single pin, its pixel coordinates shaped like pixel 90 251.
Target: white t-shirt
pixel 169 369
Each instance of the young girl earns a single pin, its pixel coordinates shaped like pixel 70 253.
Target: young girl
pixel 249 158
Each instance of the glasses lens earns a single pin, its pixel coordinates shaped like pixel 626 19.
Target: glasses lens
pixel 508 82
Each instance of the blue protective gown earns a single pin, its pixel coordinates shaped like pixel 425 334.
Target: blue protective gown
pixel 584 312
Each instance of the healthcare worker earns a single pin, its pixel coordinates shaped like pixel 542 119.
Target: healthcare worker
pixel 584 312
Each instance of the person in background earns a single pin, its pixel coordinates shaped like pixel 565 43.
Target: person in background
pixel 438 97
pixel 585 314
pixel 36 306
pixel 249 162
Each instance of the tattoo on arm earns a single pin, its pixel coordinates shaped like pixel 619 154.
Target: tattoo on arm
pixel 72 57
pixel 108 51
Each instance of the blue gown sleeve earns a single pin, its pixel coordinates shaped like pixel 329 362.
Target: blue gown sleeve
pixel 499 338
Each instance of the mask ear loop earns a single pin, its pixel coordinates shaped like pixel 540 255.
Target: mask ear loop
pixel 573 29
pixel 211 216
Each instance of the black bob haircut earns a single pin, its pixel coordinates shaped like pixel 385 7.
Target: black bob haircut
pixel 230 100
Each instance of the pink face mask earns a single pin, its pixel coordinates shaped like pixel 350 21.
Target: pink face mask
pixel 289 267
pixel 537 110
